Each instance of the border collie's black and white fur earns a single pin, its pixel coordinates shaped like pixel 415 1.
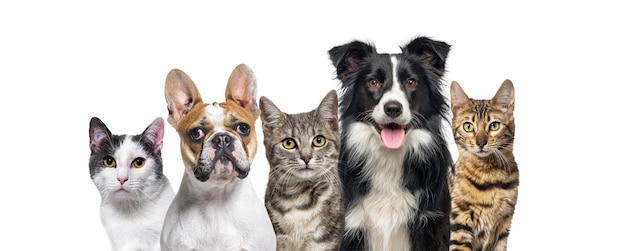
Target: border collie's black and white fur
pixel 394 156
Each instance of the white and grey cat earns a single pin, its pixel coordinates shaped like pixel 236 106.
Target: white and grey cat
pixel 128 172
pixel 304 197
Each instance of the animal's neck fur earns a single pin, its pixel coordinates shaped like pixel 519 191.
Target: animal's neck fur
pixel 131 206
pixel 390 197
pixel 210 189
pixel 505 161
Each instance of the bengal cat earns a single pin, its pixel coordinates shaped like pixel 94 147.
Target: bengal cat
pixel 485 179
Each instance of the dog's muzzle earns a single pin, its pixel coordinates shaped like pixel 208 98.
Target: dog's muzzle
pixel 220 154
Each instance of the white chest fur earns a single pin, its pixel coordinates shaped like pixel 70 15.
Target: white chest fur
pixel 231 217
pixel 387 208
pixel 138 228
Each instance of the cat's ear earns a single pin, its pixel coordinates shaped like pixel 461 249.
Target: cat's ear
pixel 154 134
pixel 327 110
pixel 99 135
pixel 458 97
pixel 270 115
pixel 505 97
pixel 181 94
pixel 242 89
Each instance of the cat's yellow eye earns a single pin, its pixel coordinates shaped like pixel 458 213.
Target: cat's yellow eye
pixel 139 162
pixel 494 126
pixel 319 141
pixel 109 162
pixel 289 143
pixel 468 127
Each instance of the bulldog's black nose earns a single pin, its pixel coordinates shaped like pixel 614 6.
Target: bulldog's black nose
pixel 222 140
pixel 393 109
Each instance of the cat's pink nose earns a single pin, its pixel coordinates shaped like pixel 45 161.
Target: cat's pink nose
pixel 122 180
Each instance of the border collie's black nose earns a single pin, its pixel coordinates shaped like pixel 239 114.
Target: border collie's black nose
pixel 393 109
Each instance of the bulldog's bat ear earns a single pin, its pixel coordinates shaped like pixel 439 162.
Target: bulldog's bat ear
pixel 242 89
pixel 181 94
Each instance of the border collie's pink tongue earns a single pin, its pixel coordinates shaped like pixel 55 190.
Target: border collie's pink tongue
pixel 392 137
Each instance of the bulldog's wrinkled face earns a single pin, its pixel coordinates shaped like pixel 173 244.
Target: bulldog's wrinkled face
pixel 218 141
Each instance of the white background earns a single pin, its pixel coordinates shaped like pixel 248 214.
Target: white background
pixel 62 63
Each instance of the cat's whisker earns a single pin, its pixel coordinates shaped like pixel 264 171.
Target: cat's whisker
pixel 106 192
pixel 331 178
pixel 283 181
pixel 508 145
pixel 502 160
pixel 278 175
pixel 151 198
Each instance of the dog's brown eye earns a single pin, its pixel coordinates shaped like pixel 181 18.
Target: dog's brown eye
pixel 243 129
pixel 196 134
pixel 411 83
pixel 373 83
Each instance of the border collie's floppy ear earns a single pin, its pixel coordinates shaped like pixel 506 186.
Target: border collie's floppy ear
pixel 432 52
pixel 346 58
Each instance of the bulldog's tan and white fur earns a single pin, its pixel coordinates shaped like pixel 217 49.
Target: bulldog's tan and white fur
pixel 216 207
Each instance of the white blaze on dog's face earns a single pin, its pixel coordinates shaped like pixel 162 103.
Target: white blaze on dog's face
pixel 218 140
pixel 392 112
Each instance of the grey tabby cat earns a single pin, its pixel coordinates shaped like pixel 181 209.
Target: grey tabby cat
pixel 304 195
pixel 127 170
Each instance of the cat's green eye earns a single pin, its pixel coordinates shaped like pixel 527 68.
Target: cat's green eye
pixel 289 143
pixel 109 162
pixel 494 126
pixel 139 162
pixel 468 127
pixel 319 141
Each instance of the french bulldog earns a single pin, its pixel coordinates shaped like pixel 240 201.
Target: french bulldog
pixel 216 207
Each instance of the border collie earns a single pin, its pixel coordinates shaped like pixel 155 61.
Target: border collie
pixel 394 156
